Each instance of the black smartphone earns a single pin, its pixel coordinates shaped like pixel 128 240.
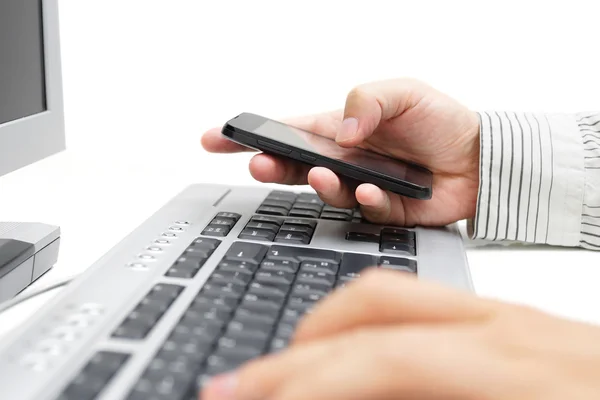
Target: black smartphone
pixel 274 137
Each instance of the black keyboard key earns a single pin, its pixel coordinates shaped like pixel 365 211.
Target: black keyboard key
pixel 291 316
pixel 352 264
pixel 206 243
pixel 107 360
pixel 132 330
pixel 362 237
pixel 267 226
pixel 196 252
pixel 190 261
pixel 309 198
pixel 297 228
pixel 165 292
pixel 268 210
pixel 335 210
pixel 187 345
pixel 300 254
pixel 282 193
pixel 266 219
pixel 182 271
pixel 238 266
pixel 222 303
pixel 223 290
pixel 170 361
pixel 290 199
pixel 302 222
pixel 397 248
pixel 301 289
pixel 259 315
pixel 147 316
pixel 265 276
pixel 231 215
pixel 237 354
pixel 271 202
pixel 398 236
pixel 257 234
pixel 285 330
pixel 242 343
pixel 308 206
pixel 207 331
pixel 319 267
pixel 280 265
pixel 150 303
pixel 249 328
pixel 228 222
pixel 302 304
pixel 237 277
pixel 396 231
pixel 274 290
pixel 249 252
pixel 140 321
pixel 278 344
pixel 216 230
pixel 162 385
pixel 207 313
pixel 322 278
pixel 335 216
pixel 299 212
pixel 225 360
pixel 256 302
pixel 97 373
pixel 401 264
pixel 303 301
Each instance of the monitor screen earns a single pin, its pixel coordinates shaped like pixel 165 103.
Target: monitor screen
pixel 22 72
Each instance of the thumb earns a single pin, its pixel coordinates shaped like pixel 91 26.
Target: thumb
pixel 369 104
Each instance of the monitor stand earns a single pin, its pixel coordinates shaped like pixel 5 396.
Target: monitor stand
pixel 27 251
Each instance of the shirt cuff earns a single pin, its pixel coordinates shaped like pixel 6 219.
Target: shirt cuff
pixel 532 179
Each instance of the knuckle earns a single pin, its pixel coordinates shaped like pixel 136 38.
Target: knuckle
pixel 357 95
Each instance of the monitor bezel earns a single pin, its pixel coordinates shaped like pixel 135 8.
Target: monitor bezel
pixel 30 139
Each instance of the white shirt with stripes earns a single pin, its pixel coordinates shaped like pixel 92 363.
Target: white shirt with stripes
pixel 539 179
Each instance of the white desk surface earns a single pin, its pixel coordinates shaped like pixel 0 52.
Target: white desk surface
pixel 97 200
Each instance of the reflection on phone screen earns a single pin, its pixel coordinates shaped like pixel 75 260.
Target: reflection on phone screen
pixel 356 156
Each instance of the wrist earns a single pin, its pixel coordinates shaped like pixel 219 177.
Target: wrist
pixel 473 174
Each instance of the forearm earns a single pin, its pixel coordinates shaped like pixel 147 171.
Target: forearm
pixel 539 179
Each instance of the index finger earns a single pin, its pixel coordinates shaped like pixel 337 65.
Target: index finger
pixel 383 297
pixel 324 124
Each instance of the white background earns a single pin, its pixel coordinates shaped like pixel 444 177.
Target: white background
pixel 143 79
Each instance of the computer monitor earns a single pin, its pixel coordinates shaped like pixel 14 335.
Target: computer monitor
pixel 31 99
pixel 31 128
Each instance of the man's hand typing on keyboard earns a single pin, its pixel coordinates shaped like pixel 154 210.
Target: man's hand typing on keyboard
pixel 406 340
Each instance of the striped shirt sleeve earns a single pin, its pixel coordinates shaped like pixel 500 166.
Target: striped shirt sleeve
pixel 539 179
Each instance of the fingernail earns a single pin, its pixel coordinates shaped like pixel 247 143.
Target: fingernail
pixel 348 130
pixel 221 387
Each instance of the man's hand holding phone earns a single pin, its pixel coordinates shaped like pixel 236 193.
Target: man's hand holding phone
pixel 404 119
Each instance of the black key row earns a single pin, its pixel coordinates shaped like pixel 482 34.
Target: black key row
pixel 281 230
pixel 221 224
pixel 96 374
pixel 249 306
pixel 193 258
pixel 304 205
pixel 391 240
pixel 148 312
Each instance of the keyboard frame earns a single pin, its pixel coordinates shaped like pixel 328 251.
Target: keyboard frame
pixel 110 288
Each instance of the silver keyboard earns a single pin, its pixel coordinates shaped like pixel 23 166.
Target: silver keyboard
pixel 217 276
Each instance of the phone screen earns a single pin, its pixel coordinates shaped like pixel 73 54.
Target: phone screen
pixel 326 147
